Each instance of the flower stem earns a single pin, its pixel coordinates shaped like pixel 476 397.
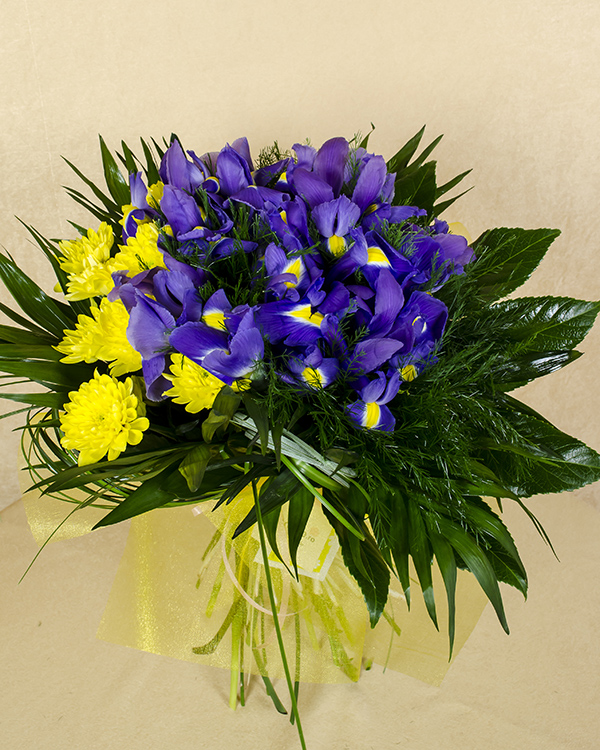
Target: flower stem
pixel 286 669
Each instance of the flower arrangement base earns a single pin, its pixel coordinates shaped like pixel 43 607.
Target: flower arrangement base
pixel 184 589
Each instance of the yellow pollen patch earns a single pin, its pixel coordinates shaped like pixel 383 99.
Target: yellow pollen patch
pixel 312 377
pixel 214 320
pixel 294 267
pixel 377 257
pixel 336 245
pixel 371 208
pixel 372 414
pixel 283 215
pixel 408 373
pixel 304 313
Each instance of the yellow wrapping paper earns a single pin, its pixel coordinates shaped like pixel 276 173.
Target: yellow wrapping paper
pixel 185 590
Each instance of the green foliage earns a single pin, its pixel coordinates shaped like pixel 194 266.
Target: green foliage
pixel 416 183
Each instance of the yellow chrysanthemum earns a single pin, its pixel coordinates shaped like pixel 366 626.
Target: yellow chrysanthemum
pixel 88 264
pixel 104 337
pixel 192 384
pixel 102 417
pixel 141 252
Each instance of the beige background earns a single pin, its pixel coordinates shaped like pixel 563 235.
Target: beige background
pixel 514 87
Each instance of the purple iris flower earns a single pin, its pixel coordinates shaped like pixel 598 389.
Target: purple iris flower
pixel 312 369
pixel 334 220
pixel 370 411
pixel 181 211
pixel 231 352
pixel 370 182
pixel 177 171
pixel 233 172
pixel 291 225
pixel 421 326
pixel 391 214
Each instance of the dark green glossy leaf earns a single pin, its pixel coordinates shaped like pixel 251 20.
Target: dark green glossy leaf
pixel 151 168
pixel 416 187
pixel 420 551
pixel 29 352
pixel 447 563
pixel 575 466
pixel 116 183
pixel 299 510
pixel 272 494
pixel 52 375
pixel 401 159
pixel 224 407
pixel 542 324
pixel 260 417
pixel 49 314
pixel 23 337
pixel 515 372
pixel 112 208
pixel 447 186
pixel 399 531
pixel 38 332
pixel 477 562
pixel 152 494
pixel 365 563
pixel 270 522
pixel 51 400
pixel 506 258
pixel 129 159
pixel 194 465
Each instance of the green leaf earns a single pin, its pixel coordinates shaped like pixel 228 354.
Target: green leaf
pixel 41 334
pixel 476 561
pixel 420 551
pixel 49 314
pixel 365 563
pixel 273 494
pixel 575 466
pixel 152 494
pixel 299 510
pixel 112 208
pixel 515 372
pixel 542 324
pixel 502 551
pixel 23 337
pixel 260 418
pixel 399 531
pixel 51 400
pixel 416 187
pixel 129 159
pixel 194 465
pixel 447 563
pixel 400 160
pixel 506 258
pixel 270 522
pixel 52 375
pixel 151 168
pixel 29 352
pixel 224 407
pixel 276 434
pixel 117 186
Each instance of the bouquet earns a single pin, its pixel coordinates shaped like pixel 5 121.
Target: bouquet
pixel 305 331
